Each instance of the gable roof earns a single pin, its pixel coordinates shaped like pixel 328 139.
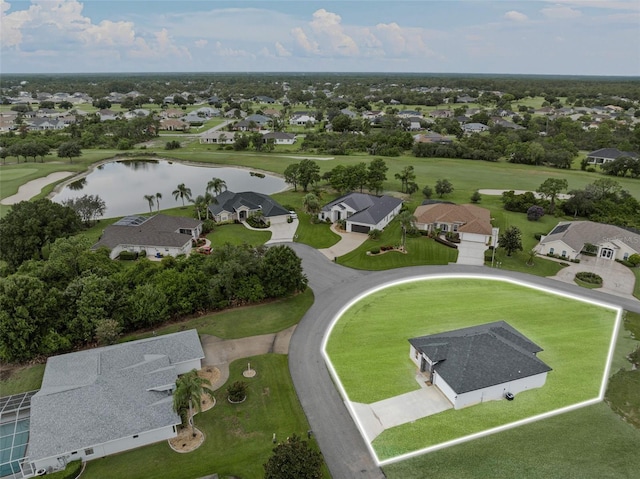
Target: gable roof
pixel 576 233
pixel 103 394
pixel 231 202
pixel 481 356
pixel 472 218
pixel 369 209
pixel 157 230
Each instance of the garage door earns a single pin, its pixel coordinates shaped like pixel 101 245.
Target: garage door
pixel 360 229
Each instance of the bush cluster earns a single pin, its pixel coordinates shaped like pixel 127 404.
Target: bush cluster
pixel 589 277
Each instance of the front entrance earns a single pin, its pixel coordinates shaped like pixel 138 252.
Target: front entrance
pixel 606 253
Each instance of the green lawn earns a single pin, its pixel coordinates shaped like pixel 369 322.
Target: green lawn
pixel 22 379
pixel 237 436
pixel 237 234
pixel 420 251
pixel 385 321
pixel 591 442
pixel 636 286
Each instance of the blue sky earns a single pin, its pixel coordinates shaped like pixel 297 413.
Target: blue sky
pixel 568 37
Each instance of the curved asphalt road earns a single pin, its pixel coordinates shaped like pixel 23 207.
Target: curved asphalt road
pixel 343 448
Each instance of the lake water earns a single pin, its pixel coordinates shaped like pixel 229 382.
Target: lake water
pixel 123 184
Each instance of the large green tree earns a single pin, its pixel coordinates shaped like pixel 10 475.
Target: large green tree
pixel 294 459
pixel 30 225
pixel 443 187
pixel 292 175
pixel 69 149
pixel 308 173
pixel 282 272
pixel 377 175
pixel 88 207
pixel 550 189
pixel 511 240
pixel 406 176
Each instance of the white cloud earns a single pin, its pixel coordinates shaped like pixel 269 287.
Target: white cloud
pixel 327 27
pixel 516 16
pixel 201 43
pixel 281 51
pixel 604 4
pixel 560 12
pixel 304 42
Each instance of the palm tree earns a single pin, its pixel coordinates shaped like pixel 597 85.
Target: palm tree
pixel 406 220
pixel 209 199
pixel 182 192
pixel 217 185
pixel 188 393
pixel 199 203
pixel 158 198
pixel 151 200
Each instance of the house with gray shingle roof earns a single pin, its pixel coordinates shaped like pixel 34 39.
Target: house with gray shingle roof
pixel 102 401
pixel 232 206
pixel 361 211
pixel 479 363
pixel 158 234
pixel 605 155
pixel 569 238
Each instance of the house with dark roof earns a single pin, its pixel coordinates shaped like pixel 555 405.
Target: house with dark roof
pixel 471 223
pixel 232 206
pixel 102 401
pixel 279 138
pixel 158 235
pixel 569 238
pixel 479 363
pixel 361 211
pixel 606 155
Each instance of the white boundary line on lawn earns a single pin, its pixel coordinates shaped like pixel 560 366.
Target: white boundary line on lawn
pixel 487 432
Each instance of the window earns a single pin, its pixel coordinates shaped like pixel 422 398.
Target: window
pixel 626 256
pixel 564 253
pixel 551 250
pixel 88 451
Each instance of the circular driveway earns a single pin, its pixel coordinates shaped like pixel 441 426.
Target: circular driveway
pixel 344 449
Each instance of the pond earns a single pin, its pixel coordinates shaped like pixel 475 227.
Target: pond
pixel 123 184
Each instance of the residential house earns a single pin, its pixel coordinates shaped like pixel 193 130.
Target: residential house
pixel 137 113
pixel 372 115
pixel 193 118
pixel 415 123
pixel 431 137
pixel 172 113
pixel 264 99
pixel 174 124
pixel 361 211
pixel 471 223
pixel 232 206
pixel 465 99
pixel 245 125
pixel 570 238
pixel 409 114
pixel 349 113
pixel 606 155
pixel 107 115
pixel 441 113
pixel 41 124
pixel 479 363
pixel 279 137
pixel 158 235
pixel 207 112
pixel 272 112
pixel 103 401
pixel 302 119
pixel 474 127
pixel 218 137
pixel 507 124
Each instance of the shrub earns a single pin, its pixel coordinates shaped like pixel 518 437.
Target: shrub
pixel 375 251
pixel 143 253
pixel 634 259
pixel 374 234
pixel 628 264
pixel 207 226
pixel 535 212
pixel 237 391
pixel 72 471
pixel 538 236
pixel 128 256
pixel 589 277
pixel 172 145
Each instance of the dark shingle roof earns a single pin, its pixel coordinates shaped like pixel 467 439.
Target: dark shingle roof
pixel 158 230
pixel 481 356
pixel 611 153
pixel 369 209
pixel 230 201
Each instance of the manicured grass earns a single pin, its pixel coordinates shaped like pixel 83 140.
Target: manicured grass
pixel 22 379
pixel 384 321
pixel 237 234
pixel 591 442
pixel 636 286
pixel 420 251
pixel 245 321
pixel 237 436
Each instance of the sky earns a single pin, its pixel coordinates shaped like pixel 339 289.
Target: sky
pixel 557 37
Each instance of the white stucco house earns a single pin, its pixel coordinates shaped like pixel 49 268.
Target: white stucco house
pixel 218 137
pixel 279 137
pixel 158 234
pixel 606 155
pixel 361 211
pixel 569 238
pixel 480 363
pixel 107 400
pixel 232 206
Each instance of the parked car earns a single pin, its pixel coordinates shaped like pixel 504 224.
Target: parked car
pixel 204 249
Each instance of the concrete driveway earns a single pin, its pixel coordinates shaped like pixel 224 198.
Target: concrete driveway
pixel 471 253
pixel 617 279
pixel 280 232
pixel 348 242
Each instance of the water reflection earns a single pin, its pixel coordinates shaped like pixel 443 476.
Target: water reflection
pixel 124 184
